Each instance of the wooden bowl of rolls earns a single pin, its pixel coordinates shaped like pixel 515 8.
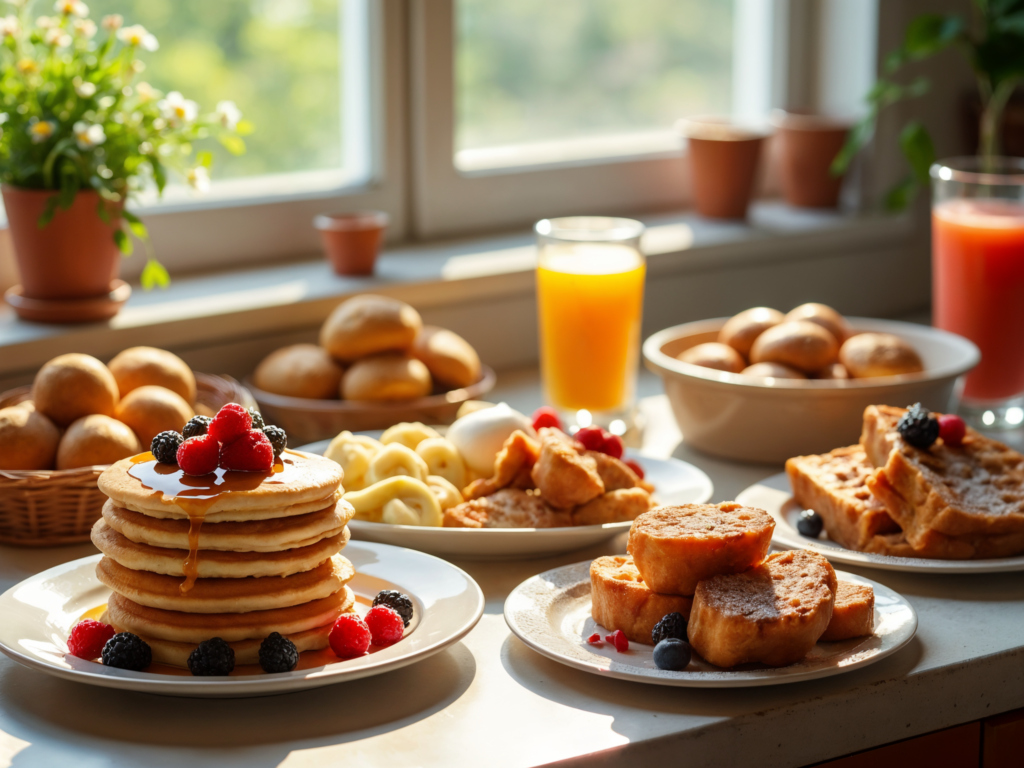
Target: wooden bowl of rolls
pixel 376 364
pixel 764 386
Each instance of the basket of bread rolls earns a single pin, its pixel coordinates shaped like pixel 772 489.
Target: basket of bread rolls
pixel 77 418
pixel 376 364
pixel 764 385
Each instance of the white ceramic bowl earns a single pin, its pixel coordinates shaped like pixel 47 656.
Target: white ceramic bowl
pixel 770 420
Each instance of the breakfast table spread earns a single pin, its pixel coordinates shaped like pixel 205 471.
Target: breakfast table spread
pixel 491 697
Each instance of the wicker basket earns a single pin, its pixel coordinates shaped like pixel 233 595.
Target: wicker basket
pixel 45 508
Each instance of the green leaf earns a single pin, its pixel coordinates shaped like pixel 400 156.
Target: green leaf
pixel 101 209
pixel 917 146
pixel 68 186
pixel 900 196
pixel 233 144
pixel 51 158
pixel 204 159
pixel 124 243
pixel 154 274
pixel 929 33
pixel 856 140
pixel 135 225
pixel 51 208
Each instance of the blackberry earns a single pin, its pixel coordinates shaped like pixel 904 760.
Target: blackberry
pixel 278 439
pixel 212 658
pixel 257 419
pixel 165 446
pixel 401 604
pixel 671 625
pixel 196 427
pixel 918 427
pixel 673 654
pixel 127 651
pixel 810 524
pixel 278 654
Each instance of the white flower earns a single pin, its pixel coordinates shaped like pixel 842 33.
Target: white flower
pixel 228 114
pixel 71 8
pixel 57 37
pixel 85 90
pixel 113 22
pixel 177 109
pixel 146 92
pixel 137 36
pixel 9 26
pixel 85 28
pixel 199 178
pixel 145 148
pixel 47 22
pixel 88 135
pixel 40 130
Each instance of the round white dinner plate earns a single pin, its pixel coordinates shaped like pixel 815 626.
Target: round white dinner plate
pixel 675 482
pixel 38 615
pixel 774 495
pixel 551 614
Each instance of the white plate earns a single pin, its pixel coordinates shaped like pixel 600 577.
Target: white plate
pixel 675 482
pixel 551 614
pixel 773 494
pixel 39 612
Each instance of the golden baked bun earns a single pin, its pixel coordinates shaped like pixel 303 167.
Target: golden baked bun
pixel 386 377
pixel 853 614
pixel 621 600
pixel 28 440
pixel 715 355
pixel 835 372
pixel 367 325
pixel 151 410
pixel 867 355
pixel 800 344
pixel 96 439
pixel 301 370
pixel 450 359
pixel 148 366
pixel 741 330
pixel 772 371
pixel 74 385
pixel 823 315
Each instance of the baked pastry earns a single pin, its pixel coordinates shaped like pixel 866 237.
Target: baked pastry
pixel 449 357
pixel 823 315
pixel 148 366
pixel 800 344
pixel 368 325
pixel 772 371
pixel 300 370
pixel 853 614
pixel 386 377
pixel 621 600
pixel 564 477
pixel 507 508
pixel 512 467
pixel 74 385
pixel 867 355
pixel 836 371
pixel 721 357
pixel 740 331
pixel 150 410
pixel 773 613
pixel 28 440
pixel 95 440
pixel 617 506
pixel 676 547
pixel 613 473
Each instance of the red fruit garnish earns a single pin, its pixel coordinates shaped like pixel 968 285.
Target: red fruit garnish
pixel 230 422
pixel 952 429
pixel 349 636
pixel 88 638
pixel 250 452
pixel 386 626
pixel 637 469
pixel 546 416
pixel 619 640
pixel 199 455
pixel 594 639
pixel 592 438
pixel 613 445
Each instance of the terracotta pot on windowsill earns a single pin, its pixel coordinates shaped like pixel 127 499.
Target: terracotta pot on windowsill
pixel 807 146
pixel 352 240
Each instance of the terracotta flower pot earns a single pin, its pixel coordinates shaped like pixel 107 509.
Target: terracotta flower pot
pixel 807 146
pixel 72 257
pixel 352 240
pixel 724 158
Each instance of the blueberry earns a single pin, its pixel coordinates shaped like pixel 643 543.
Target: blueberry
pixel 672 654
pixel 810 524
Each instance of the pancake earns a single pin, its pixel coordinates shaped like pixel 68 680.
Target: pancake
pixel 226 595
pixel 270 535
pixel 174 512
pixel 212 563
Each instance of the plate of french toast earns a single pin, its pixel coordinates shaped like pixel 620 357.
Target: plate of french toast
pixel 698 601
pixel 920 491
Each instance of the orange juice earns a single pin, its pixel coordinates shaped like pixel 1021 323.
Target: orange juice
pixel 590 297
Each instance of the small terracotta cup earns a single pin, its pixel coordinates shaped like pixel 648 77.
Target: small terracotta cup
pixel 352 240
pixel 807 146
pixel 724 158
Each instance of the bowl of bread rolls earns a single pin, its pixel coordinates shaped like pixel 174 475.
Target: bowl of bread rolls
pixel 78 417
pixel 376 364
pixel 765 385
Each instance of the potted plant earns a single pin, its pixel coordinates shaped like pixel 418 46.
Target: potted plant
pixel 80 136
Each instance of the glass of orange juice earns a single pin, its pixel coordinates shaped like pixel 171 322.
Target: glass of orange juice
pixel 590 295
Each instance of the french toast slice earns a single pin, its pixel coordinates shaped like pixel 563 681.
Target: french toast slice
pixel 621 600
pixel 853 614
pixel 618 506
pixel 507 508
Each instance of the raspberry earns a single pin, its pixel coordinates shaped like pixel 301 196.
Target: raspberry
pixel 197 425
pixel 212 658
pixel 592 438
pixel 350 637
pixel 127 651
pixel 88 638
pixel 952 429
pixel 386 626
pixel 613 446
pixel 546 416
pixel 230 422
pixel 250 452
pixel 594 639
pixel 392 598
pixel 619 640
pixel 199 455
pixel 165 447
pixel 637 469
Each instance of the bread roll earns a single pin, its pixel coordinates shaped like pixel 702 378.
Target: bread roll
pixel 367 325
pixel 823 315
pixel 28 440
pixel 835 372
pixel 151 410
pixel 96 439
pixel 141 366
pixel 450 359
pixel 386 377
pixel 74 385
pixel 800 344
pixel 772 371
pixel 867 355
pixel 301 370
pixel 742 330
pixel 721 357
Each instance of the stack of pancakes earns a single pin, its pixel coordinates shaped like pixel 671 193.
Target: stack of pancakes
pixel 232 555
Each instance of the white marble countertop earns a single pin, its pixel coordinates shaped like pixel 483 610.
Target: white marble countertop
pixel 490 700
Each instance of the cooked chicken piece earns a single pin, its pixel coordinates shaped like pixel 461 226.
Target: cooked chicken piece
pixel 564 477
pixel 614 507
pixel 515 458
pixel 614 474
pixel 507 508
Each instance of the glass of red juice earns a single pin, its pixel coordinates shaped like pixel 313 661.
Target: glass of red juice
pixel 978 279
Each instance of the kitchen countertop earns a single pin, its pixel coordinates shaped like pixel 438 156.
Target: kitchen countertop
pixel 491 700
